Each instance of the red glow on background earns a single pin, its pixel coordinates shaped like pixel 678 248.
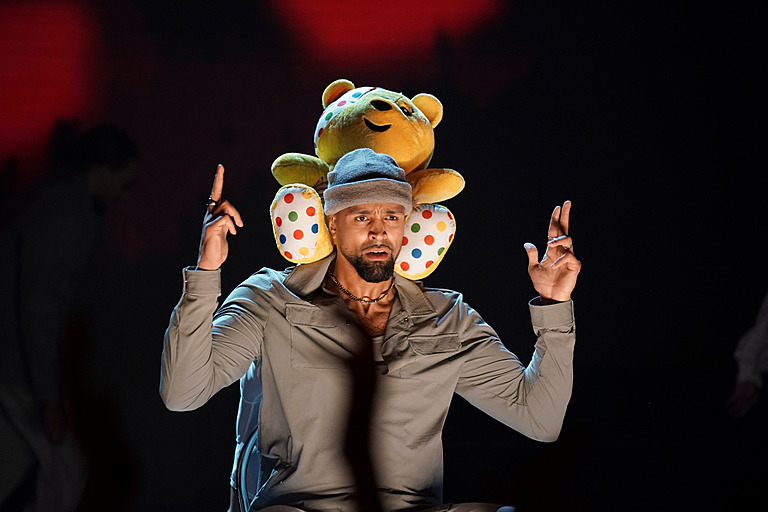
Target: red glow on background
pixel 347 31
pixel 48 66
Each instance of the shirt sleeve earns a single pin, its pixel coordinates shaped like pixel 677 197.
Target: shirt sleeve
pixel 531 399
pixel 203 352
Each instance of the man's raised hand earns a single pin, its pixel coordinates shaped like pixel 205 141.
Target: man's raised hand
pixel 220 220
pixel 554 277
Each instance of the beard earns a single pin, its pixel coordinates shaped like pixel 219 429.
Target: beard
pixel 372 271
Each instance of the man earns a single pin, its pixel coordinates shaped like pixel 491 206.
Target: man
pixel 353 367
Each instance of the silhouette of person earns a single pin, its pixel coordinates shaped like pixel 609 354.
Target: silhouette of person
pixel 44 249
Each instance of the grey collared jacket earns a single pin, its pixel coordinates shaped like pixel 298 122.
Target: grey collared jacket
pixel 320 386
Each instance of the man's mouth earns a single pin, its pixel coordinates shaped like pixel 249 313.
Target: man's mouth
pixel 376 127
pixel 377 252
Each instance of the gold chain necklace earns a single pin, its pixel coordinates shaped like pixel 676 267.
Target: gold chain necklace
pixel 358 299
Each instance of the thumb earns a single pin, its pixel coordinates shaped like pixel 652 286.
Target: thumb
pixel 533 254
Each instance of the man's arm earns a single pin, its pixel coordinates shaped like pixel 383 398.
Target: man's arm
pixel 202 355
pixel 531 399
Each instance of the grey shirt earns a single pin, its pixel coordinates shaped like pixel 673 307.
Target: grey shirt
pixel 304 344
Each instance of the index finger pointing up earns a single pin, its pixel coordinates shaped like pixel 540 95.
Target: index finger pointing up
pixel 218 184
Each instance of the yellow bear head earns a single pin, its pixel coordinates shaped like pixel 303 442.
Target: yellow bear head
pixel 379 119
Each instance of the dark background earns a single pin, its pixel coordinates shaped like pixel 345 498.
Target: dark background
pixel 649 116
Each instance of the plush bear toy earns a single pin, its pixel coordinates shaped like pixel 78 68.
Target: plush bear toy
pixel 386 122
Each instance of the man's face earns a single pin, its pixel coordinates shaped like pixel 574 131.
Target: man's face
pixel 369 236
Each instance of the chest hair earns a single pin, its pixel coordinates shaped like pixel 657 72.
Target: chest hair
pixel 371 317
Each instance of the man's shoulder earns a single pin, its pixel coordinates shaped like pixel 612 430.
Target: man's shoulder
pixel 437 297
pixel 297 280
pixel 441 293
pixel 432 291
pixel 267 278
pixel 264 282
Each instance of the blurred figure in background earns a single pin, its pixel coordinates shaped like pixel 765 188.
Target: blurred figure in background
pixel 752 359
pixel 45 244
pixel 746 436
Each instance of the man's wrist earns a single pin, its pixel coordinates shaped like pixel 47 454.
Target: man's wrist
pixel 545 301
pixel 206 265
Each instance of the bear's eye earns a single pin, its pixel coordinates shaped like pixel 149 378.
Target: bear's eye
pixel 406 110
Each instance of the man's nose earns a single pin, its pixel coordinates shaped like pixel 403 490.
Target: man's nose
pixel 377 229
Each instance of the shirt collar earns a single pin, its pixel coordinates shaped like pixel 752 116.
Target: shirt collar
pixel 307 278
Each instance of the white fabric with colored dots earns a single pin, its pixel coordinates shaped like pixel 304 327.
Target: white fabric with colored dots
pixel 428 234
pixel 296 217
pixel 296 222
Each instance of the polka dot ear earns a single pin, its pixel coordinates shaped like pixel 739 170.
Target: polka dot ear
pixel 428 234
pixel 334 91
pixel 298 224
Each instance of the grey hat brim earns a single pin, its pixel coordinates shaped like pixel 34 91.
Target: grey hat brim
pixel 379 190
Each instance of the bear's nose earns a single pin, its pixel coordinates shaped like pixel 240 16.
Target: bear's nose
pixel 381 105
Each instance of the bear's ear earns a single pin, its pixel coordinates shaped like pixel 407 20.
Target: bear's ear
pixel 430 107
pixel 335 90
